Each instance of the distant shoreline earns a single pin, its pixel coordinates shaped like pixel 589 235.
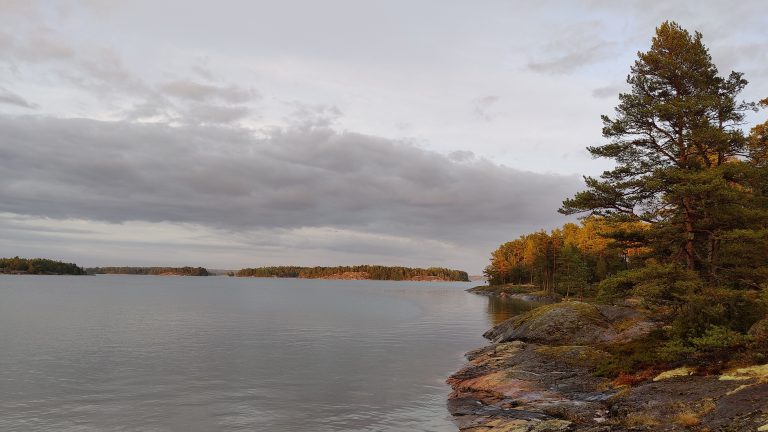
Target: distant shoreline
pixel 360 272
pixel 349 278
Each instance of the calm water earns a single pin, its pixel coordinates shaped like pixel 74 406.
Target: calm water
pixel 143 353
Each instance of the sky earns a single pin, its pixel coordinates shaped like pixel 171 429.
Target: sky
pixel 234 134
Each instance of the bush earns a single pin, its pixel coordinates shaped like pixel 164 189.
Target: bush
pixel 718 338
pixel 656 283
pixel 732 310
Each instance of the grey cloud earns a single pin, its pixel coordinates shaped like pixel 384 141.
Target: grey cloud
pixel 312 115
pixel 577 45
pixel 104 71
pixel 43 46
pixel 202 71
pixel 227 178
pixel 199 92
pixel 610 91
pixel 215 114
pixel 570 61
pixel 10 98
pixel 483 104
pixel 461 156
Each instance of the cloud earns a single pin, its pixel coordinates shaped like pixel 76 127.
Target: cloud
pixel 215 114
pixel 44 46
pixel 199 92
pixel 609 91
pixel 461 156
pixel 306 115
pixel 483 104
pixel 10 98
pixel 39 46
pixel 287 179
pixel 577 45
pixel 570 61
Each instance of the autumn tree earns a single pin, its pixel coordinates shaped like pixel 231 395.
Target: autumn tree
pixel 572 273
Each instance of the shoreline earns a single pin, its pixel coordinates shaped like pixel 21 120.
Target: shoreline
pixel 538 374
pixel 352 279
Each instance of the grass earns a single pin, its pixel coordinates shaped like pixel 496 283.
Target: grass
pixel 687 419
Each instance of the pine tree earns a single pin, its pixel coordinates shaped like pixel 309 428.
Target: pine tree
pixel 671 135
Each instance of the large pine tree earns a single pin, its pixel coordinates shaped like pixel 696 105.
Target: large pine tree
pixel 678 148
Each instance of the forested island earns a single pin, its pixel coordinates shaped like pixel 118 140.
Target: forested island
pixel 659 297
pixel 153 271
pixel 43 266
pixel 373 272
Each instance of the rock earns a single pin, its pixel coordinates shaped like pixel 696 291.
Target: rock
pixel 539 376
pixel 530 382
pixel 573 323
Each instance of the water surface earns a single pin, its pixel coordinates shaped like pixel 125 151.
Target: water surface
pixel 146 353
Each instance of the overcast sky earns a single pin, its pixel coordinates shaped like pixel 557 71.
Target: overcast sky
pixel 244 133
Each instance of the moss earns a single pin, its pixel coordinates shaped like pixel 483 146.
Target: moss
pixel 674 373
pixel 585 356
pixel 759 372
pixel 552 426
pixel 738 389
pixel 626 324
pixel 584 310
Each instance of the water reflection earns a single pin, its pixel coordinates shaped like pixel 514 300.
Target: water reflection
pixel 500 309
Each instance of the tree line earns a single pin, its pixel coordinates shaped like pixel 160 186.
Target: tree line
pixel 566 260
pixel 181 271
pixel 375 272
pixel 38 266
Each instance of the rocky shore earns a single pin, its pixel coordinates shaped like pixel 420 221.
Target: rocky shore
pixel 539 375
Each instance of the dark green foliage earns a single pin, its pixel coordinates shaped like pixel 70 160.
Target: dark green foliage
pixel 633 356
pixel 719 338
pixel 181 271
pixel 656 283
pixel 716 307
pixel 374 272
pixel 38 266
pixel 573 273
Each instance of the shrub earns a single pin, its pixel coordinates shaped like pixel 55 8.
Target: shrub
pixel 656 283
pixel 718 338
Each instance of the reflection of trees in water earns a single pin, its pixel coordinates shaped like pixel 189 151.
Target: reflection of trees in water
pixel 500 309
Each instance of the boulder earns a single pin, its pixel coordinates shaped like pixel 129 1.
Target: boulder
pixel 573 323
pixel 569 323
